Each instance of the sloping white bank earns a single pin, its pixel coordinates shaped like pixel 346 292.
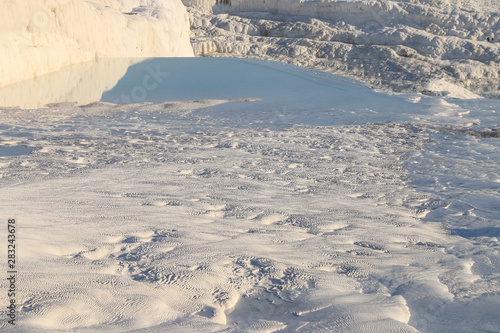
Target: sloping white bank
pixel 41 36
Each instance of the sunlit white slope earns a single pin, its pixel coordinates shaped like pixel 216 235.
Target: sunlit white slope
pixel 41 36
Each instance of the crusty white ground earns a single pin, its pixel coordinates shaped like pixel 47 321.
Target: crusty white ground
pixel 155 218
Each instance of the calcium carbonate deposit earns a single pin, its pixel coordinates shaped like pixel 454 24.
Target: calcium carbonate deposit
pixel 37 37
pixel 398 45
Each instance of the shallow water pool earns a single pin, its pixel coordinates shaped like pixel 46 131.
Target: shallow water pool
pixel 277 89
pixel 279 93
pixel 15 151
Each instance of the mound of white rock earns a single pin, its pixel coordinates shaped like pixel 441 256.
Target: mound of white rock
pixel 398 45
pixel 37 37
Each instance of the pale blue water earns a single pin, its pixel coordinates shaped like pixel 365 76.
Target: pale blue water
pixel 286 94
pixel 284 91
pixel 15 151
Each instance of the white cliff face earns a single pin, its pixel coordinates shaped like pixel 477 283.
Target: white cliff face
pixel 37 37
pixel 396 45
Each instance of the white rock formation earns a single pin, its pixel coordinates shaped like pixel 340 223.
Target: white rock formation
pixel 398 45
pixel 37 37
